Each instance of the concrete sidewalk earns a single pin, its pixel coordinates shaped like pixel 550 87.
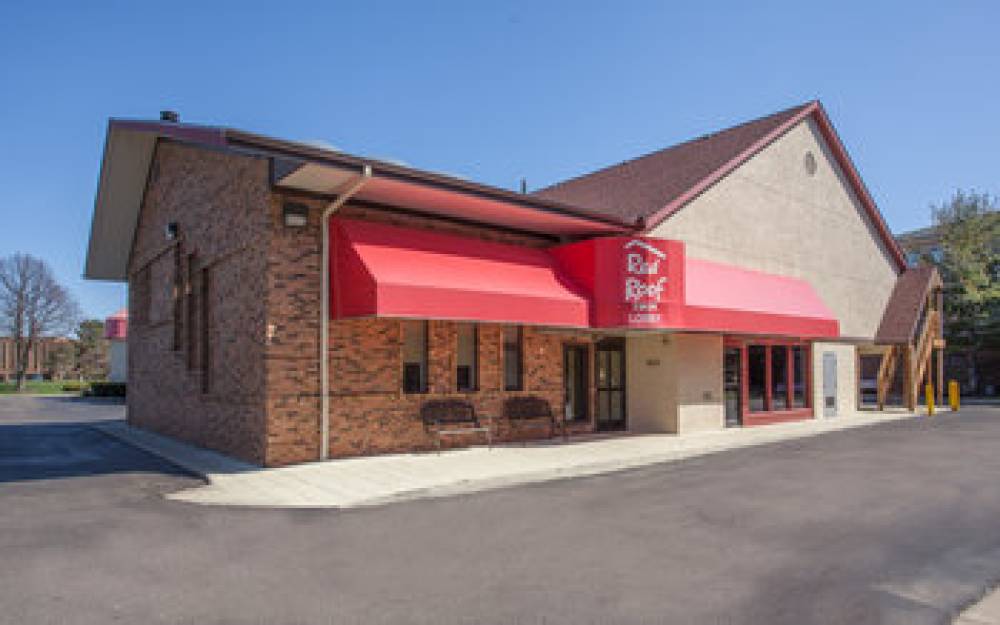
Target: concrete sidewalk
pixel 373 480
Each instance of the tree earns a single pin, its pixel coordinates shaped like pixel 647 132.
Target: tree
pixel 969 229
pixel 61 359
pixel 32 305
pixel 92 350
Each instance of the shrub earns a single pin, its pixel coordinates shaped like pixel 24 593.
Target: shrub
pixel 73 386
pixel 107 389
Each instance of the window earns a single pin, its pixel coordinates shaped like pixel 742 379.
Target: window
pixel 513 365
pixel 912 258
pixel 467 371
pixel 937 254
pixel 206 348
pixel 414 356
pixel 191 306
pixel 143 295
pixel 800 375
pixel 757 376
pixel 779 377
pixel 177 299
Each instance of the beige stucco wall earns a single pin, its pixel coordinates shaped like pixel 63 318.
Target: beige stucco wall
pixel 651 391
pixel 698 363
pixel 674 383
pixel 771 215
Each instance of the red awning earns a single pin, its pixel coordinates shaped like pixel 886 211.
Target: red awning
pixel 380 270
pixel 650 283
pixel 732 299
pixel 388 271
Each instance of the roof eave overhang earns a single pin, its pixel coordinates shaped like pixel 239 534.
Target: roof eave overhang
pixel 322 172
pixel 130 145
pixel 128 154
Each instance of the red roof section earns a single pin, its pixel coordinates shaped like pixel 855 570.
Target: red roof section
pixel 649 189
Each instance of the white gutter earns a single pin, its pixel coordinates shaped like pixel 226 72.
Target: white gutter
pixel 324 321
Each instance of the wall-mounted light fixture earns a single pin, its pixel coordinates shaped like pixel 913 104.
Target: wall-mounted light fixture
pixel 170 232
pixel 295 215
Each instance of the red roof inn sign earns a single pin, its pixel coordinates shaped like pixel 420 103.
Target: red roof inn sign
pixel 633 282
pixel 644 281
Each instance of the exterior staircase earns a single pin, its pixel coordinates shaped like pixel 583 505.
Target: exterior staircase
pixel 912 330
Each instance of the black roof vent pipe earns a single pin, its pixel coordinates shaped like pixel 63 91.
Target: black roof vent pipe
pixel 169 116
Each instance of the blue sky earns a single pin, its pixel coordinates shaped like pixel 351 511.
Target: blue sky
pixel 489 91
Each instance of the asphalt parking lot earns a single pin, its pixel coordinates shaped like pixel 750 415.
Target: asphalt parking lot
pixel 897 523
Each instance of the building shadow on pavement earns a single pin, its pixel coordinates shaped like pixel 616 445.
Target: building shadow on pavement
pixel 56 450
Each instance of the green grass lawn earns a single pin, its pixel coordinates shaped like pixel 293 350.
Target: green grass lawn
pixel 41 388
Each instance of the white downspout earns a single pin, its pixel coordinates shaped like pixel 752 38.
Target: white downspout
pixel 324 307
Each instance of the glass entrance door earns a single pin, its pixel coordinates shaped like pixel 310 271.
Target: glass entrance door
pixel 610 370
pixel 731 387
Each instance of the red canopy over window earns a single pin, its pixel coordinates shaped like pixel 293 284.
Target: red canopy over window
pixel 649 283
pixel 388 271
pixel 741 301
pixel 609 282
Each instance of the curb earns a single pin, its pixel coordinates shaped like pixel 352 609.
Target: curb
pixel 222 472
pixel 122 432
pixel 30 395
pixel 596 468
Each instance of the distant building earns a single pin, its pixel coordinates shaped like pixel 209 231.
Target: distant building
pixel 116 331
pixel 921 244
pixel 42 363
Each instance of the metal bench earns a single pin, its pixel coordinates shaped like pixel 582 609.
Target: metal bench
pixel 446 417
pixel 526 412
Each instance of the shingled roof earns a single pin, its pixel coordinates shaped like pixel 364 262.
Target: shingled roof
pixel 648 189
pixel 899 321
pixel 638 188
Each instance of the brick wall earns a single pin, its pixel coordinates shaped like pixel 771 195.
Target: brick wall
pixel 292 350
pixel 369 413
pixel 255 392
pixel 220 203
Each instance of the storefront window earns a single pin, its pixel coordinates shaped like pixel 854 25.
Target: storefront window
pixel 779 377
pixel 414 356
pixel 756 376
pixel 512 358
pixel 800 373
pixel 467 370
pixel 775 378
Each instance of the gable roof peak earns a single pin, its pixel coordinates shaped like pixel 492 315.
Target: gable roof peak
pixel 649 189
pixel 637 188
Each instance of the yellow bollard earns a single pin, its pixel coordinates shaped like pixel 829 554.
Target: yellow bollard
pixel 929 394
pixel 953 395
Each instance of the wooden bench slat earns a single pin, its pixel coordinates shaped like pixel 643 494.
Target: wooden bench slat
pixel 450 412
